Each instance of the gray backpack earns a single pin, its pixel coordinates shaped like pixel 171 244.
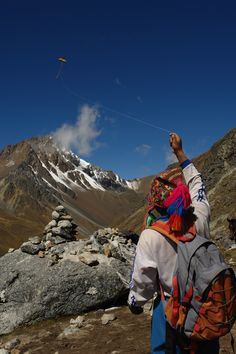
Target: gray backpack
pixel 203 301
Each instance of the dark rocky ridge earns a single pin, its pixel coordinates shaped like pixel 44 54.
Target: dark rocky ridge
pixel 218 169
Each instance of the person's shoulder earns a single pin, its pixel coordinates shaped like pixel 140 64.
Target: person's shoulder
pixel 149 232
pixel 150 235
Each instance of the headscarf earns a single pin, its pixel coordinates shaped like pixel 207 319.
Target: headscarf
pixel 168 193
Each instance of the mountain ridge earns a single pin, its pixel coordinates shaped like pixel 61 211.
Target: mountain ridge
pixel 35 176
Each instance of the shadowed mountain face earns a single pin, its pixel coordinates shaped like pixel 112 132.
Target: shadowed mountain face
pixel 218 169
pixel 35 177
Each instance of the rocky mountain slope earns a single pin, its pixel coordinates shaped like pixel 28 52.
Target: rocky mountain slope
pixel 35 176
pixel 218 169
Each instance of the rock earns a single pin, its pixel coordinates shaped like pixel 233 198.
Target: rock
pixel 94 249
pixel 41 254
pixel 89 241
pixel 78 322
pixel 17 351
pixel 89 259
pixel 73 253
pixel 12 344
pixel 66 217
pixel 49 236
pixel 60 208
pixel 11 250
pixel 30 248
pixel 59 231
pixel 4 351
pixel 107 250
pixel 57 250
pixel 55 215
pixel 148 307
pixel 112 308
pixel 51 263
pixel 48 245
pixel 68 331
pixel 58 239
pixel 35 240
pixel 66 224
pixel 59 275
pixel 108 317
pixel 51 224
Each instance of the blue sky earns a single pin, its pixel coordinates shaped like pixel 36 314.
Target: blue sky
pixel 171 64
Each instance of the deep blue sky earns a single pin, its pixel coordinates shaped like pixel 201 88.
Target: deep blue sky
pixel 169 63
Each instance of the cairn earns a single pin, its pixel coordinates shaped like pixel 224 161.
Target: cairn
pixel 61 228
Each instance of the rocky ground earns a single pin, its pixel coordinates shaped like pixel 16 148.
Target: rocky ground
pixel 123 333
pixel 105 261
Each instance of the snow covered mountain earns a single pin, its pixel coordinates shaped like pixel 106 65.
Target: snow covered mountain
pixel 35 176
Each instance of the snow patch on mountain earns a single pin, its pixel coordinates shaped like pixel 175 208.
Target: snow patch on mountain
pixel 133 184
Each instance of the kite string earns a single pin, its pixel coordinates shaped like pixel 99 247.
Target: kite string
pixel 129 116
pixel 59 71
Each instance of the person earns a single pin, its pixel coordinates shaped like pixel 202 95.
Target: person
pixel 177 202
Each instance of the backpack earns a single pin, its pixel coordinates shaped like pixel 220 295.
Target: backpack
pixel 203 301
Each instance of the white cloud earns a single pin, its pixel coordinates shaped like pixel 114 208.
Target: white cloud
pixel 81 136
pixel 143 149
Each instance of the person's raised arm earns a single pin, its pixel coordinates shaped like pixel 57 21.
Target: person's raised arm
pixel 196 186
pixel 176 144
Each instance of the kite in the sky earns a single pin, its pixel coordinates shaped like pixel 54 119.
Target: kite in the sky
pixel 62 62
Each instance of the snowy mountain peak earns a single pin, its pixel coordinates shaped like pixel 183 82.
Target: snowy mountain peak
pixel 62 170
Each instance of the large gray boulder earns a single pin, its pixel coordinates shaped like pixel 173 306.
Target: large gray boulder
pixel 34 288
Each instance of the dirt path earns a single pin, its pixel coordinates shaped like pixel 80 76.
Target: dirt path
pixel 127 334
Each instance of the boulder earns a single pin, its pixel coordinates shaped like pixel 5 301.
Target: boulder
pixel 34 288
pixel 30 248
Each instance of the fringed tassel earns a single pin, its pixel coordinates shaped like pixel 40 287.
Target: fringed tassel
pixel 175 222
pixel 176 204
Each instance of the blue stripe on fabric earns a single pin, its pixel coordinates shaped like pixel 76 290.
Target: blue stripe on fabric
pixel 185 164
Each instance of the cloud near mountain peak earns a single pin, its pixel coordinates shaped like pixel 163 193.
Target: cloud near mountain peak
pixel 81 136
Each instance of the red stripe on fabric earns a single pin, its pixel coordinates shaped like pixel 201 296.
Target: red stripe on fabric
pixel 175 312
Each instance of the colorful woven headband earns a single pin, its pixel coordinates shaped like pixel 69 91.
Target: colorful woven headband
pixel 169 192
pixel 162 186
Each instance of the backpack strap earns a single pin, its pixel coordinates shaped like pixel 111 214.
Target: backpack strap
pixel 164 232
pixel 163 228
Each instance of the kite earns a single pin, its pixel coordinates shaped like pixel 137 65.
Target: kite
pixel 62 62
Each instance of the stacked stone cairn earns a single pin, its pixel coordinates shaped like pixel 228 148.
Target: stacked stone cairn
pixel 103 246
pixel 59 230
